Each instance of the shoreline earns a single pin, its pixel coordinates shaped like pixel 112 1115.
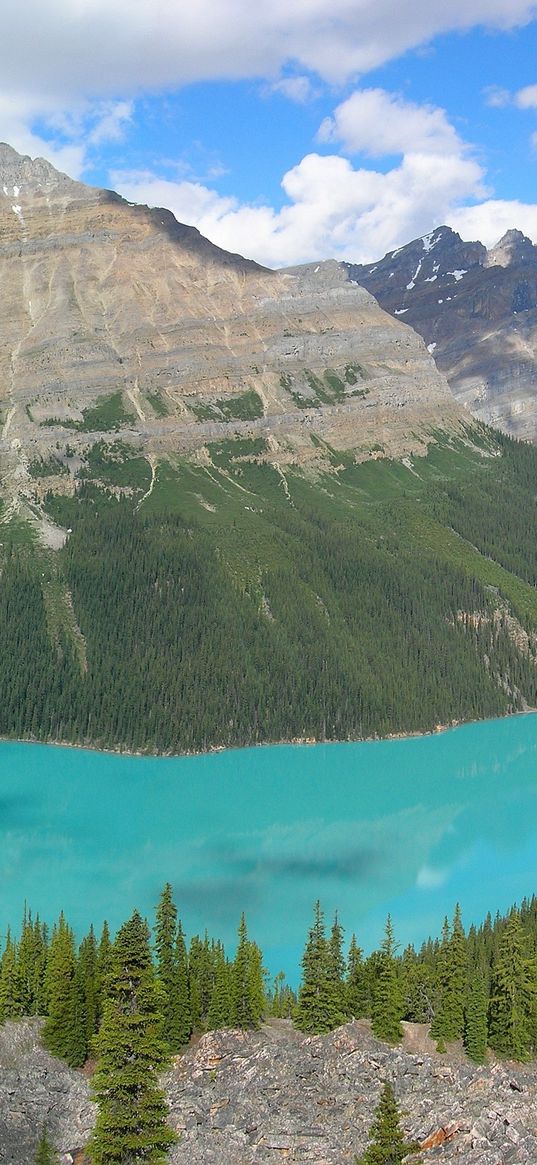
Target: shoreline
pixel 438 730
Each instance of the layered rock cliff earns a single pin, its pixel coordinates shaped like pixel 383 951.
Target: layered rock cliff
pixel 477 312
pixel 116 318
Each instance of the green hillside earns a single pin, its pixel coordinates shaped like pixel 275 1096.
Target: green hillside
pixel 228 602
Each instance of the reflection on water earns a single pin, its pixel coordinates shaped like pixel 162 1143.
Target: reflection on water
pixel 407 826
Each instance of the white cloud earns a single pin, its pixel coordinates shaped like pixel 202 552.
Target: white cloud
pixel 298 89
pixel 64 48
pixel 86 61
pixel 496 97
pixel 374 122
pixel 526 98
pixel 332 211
pixel 111 121
pixel 489 220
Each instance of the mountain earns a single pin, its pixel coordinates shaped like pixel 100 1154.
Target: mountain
pixel 477 312
pixel 117 317
pixel 237 505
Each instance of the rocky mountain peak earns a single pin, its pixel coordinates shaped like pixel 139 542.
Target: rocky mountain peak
pixel 19 172
pixel 513 247
pixel 408 271
pixel 476 311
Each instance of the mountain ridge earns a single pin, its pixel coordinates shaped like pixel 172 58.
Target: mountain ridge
pixel 104 299
pixel 477 313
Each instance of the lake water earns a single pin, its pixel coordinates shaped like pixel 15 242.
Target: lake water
pixel 408 826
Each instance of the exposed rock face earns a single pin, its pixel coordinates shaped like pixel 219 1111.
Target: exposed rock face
pixel 279 1096
pixel 101 297
pixel 242 1098
pixel 36 1089
pixel 477 312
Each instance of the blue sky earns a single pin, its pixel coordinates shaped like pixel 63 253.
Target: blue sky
pixel 291 131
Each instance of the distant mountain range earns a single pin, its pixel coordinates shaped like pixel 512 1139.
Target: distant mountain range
pixel 477 312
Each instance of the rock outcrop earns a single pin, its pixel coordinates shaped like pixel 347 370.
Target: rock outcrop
pixel 279 1096
pixel 271 1096
pixel 36 1089
pixel 477 312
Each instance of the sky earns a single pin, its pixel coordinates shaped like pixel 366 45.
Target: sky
pixel 288 130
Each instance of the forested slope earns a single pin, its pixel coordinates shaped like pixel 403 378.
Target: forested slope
pixel 226 602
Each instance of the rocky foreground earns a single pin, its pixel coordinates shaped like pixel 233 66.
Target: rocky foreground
pixel 240 1098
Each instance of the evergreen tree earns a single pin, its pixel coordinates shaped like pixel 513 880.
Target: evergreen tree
pixel 183 1023
pixel 85 998
pixel 64 1029
pixel 356 984
pixel 283 998
pixel 202 963
pixel 248 1000
pixel 475 1027
pixel 387 998
pixel 318 1008
pixel 9 1000
pixel 448 1023
pixel 221 1009
pixel 131 1119
pixel 387 1144
pixel 172 972
pixel 103 969
pixel 45 1153
pixel 513 996
pixel 31 965
pixel 418 986
pixel 336 969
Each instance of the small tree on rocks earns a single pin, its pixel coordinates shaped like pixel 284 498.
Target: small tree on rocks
pixel 387 1144
pixel 45 1153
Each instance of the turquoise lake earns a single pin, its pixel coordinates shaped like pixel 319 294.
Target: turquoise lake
pixel 407 826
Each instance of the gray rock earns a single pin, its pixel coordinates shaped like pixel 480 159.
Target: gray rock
pixel 264 1097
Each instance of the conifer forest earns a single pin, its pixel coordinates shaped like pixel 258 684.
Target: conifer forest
pixel 377 599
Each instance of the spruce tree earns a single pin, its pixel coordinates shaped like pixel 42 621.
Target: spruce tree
pixel 45 1153
pixel 9 999
pixel 202 963
pixel 387 1007
pixel 183 1021
pixel 513 995
pixel 64 1023
pixel 319 1006
pixel 221 1009
pixel 283 998
pixel 475 1027
pixel 448 1023
pixel 172 972
pixel 248 1002
pixel 387 1144
pixel 31 961
pixel 131 1118
pixel 103 968
pixel 336 970
pixel 84 999
pixel 356 984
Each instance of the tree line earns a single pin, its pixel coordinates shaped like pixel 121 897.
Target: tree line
pixel 479 987
pixel 133 1001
